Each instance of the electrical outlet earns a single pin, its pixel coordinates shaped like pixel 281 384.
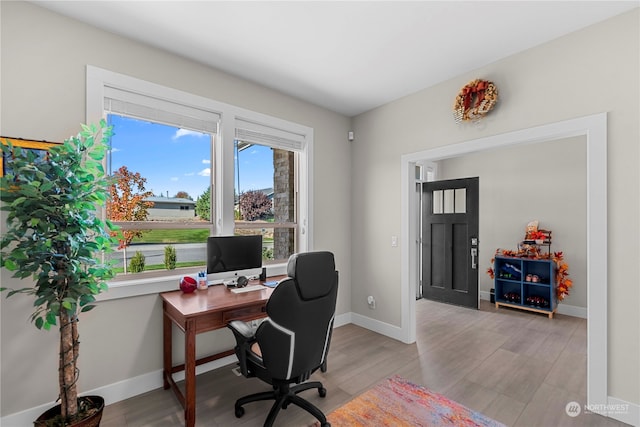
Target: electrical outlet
pixel 371 301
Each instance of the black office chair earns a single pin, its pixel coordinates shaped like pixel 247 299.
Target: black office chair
pixel 293 341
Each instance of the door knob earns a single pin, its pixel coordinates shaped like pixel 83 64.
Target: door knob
pixel 474 254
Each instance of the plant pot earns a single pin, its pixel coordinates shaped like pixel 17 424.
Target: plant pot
pixel 92 420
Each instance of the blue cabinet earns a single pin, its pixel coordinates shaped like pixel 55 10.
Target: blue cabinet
pixel 526 284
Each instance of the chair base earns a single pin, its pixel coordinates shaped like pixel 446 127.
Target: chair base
pixel 284 394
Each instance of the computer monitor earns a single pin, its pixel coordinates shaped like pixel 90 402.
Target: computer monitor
pixel 233 256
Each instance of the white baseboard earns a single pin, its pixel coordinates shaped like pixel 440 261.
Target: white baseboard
pixel 383 328
pixel 342 319
pixel 623 411
pixel 568 310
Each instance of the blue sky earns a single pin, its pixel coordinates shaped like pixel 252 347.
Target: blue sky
pixel 173 159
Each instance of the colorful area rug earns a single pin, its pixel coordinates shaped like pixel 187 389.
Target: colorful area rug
pixel 397 402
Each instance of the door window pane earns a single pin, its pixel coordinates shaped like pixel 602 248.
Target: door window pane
pixel 437 202
pixel 461 200
pixel 448 201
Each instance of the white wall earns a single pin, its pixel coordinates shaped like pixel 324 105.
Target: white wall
pixel 44 57
pixel 590 71
pixel 544 181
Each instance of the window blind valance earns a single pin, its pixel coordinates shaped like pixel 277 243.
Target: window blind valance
pixel 146 107
pixel 256 133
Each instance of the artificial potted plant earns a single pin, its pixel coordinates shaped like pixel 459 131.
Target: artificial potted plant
pixel 54 235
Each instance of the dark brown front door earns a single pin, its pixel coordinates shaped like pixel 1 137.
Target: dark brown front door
pixel 450 241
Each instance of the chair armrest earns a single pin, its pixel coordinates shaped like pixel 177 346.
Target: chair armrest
pixel 242 330
pixel 244 333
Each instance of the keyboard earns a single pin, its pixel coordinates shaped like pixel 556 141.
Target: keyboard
pixel 248 289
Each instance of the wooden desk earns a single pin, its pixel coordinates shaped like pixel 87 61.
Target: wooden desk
pixel 197 312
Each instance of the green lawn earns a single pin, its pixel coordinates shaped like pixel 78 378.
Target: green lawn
pixel 173 236
pixel 178 236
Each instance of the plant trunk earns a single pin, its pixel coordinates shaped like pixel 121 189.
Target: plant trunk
pixel 67 371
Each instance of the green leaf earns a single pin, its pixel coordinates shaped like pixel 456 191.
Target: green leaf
pixel 9 265
pixel 20 200
pixel 50 318
pixel 54 309
pixel 87 308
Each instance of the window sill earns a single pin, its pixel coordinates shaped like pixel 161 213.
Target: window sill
pixel 155 285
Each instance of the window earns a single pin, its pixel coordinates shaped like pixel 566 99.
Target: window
pixel 266 161
pixel 185 173
pixel 159 168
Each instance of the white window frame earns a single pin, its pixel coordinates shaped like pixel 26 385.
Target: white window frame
pixel 223 178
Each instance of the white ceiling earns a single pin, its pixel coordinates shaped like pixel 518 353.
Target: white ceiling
pixel 347 56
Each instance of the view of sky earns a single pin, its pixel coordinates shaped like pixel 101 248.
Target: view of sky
pixel 173 159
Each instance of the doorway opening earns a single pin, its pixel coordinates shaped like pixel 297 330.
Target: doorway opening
pixel 594 128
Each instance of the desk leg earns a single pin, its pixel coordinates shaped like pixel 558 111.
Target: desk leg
pixel 166 348
pixel 190 373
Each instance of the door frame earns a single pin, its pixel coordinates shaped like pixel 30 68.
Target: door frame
pixel 594 128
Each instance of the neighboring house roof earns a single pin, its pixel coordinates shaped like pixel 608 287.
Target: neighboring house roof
pixel 176 200
pixel 267 192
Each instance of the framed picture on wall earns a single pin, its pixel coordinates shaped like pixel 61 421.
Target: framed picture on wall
pixel 40 148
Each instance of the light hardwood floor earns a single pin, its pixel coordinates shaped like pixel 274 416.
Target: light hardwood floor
pixel 516 367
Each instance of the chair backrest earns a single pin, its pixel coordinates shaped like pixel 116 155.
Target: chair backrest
pixel 294 340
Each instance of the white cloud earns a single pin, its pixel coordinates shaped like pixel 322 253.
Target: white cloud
pixel 206 161
pixel 174 178
pixel 205 172
pixel 184 132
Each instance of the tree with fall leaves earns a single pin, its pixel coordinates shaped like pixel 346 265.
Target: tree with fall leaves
pixel 183 195
pixel 128 202
pixel 254 205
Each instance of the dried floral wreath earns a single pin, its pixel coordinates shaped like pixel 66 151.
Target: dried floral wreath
pixel 475 100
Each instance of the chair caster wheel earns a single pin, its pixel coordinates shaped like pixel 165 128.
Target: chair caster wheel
pixel 239 412
pixel 322 392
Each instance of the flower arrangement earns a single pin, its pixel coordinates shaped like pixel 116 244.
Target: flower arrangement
pixel 562 276
pixel 564 283
pixel 537 235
